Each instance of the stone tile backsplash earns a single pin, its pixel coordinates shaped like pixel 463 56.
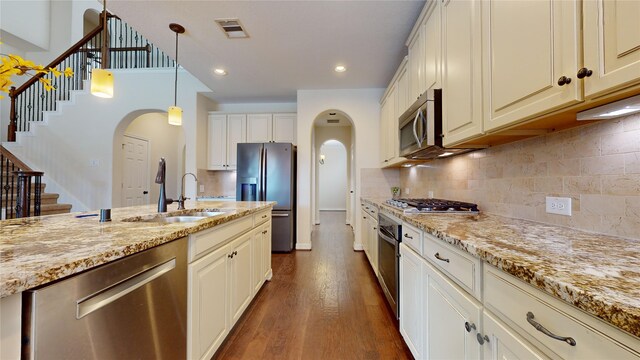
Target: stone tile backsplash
pixel 217 182
pixel 377 183
pixel 597 165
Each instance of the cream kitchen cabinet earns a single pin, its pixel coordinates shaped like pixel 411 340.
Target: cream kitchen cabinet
pixel 416 64
pixel 402 102
pixel 224 134
pixel 261 253
pixel 389 128
pixel 452 318
pixel 531 55
pixel 461 70
pixel 412 300
pixel 271 128
pixel 221 279
pixel 502 343
pixel 369 234
pixel 611 31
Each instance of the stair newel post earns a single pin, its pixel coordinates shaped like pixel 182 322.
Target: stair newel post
pixel 12 128
pixel 23 203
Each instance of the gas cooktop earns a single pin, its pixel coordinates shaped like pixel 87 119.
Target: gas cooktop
pixel 414 206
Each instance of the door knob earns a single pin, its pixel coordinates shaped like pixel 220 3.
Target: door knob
pixel 584 72
pixel 145 192
pixel 564 80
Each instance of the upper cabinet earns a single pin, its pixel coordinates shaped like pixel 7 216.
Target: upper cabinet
pixel 392 106
pixel 415 65
pixel 271 128
pixel 531 58
pixel 225 132
pixel 611 31
pixel 461 70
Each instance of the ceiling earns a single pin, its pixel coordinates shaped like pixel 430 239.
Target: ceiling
pixel 292 45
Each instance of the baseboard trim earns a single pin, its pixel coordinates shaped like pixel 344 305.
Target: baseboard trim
pixel 270 275
pixel 357 246
pixel 303 246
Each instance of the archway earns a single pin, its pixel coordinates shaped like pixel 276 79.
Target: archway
pixel 333 124
pixel 162 140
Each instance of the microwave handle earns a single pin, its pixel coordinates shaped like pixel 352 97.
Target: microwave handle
pixel 424 127
pixel 415 131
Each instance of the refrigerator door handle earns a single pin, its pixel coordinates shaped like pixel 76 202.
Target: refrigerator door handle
pixel 263 177
pixel 260 175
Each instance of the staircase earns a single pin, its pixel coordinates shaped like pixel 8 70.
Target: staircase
pixel 41 202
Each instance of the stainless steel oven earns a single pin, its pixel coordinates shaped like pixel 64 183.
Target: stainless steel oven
pixel 389 230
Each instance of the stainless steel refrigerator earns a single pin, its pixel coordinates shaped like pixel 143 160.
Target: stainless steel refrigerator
pixel 267 172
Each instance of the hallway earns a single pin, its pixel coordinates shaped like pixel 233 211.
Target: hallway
pixel 320 304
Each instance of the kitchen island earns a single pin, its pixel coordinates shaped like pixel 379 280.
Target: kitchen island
pixel 594 273
pixel 41 250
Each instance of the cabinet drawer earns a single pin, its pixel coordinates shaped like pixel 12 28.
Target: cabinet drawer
pixel 412 237
pixel 371 210
pixel 203 242
pixel 512 300
pixel 261 217
pixel 463 268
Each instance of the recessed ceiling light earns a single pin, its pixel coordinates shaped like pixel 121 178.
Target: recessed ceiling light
pixel 407 165
pixel 221 72
pixel 340 68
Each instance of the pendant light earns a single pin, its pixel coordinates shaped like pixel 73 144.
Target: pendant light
pixel 102 79
pixel 175 112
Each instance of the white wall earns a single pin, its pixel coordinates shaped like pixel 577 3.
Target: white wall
pixel 63 149
pixel 362 106
pixel 332 177
pixel 257 107
pixel 31 34
pixel 165 141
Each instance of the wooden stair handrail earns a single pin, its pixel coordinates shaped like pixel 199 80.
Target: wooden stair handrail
pixel 59 59
pixel 17 162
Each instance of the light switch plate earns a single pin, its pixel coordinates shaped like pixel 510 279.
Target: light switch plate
pixel 559 205
pixel 407 191
pixel 201 188
pixel 430 194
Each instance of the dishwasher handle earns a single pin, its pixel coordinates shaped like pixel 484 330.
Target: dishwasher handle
pixel 102 298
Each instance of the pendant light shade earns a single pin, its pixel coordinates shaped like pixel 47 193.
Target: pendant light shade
pixel 175 115
pixel 102 79
pixel 102 83
pixel 175 112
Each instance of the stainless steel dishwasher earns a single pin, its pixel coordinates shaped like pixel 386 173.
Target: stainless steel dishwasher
pixel 132 308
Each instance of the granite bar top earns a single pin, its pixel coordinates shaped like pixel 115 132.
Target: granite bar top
pixel 37 250
pixel 599 274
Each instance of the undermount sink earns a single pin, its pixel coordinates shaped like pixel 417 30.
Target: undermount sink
pixel 185 217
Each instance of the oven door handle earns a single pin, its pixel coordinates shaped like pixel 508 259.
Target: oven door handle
pixel 386 237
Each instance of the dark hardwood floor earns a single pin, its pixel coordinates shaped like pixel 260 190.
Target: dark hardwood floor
pixel 320 304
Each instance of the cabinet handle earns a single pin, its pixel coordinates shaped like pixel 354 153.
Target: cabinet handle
pixel 230 256
pixel 542 329
pixel 264 232
pixel 408 236
pixel 469 326
pixel 264 216
pixel 584 72
pixel 375 228
pixel 482 339
pixel 386 161
pixel 364 217
pixel 235 253
pixel 564 80
pixel 437 255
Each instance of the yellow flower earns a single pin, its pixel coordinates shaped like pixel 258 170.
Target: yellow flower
pixel 68 72
pixel 46 83
pixel 55 72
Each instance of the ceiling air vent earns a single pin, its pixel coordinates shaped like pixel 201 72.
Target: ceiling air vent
pixel 333 121
pixel 232 28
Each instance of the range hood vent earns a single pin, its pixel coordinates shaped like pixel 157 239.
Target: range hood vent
pixel 333 121
pixel 232 28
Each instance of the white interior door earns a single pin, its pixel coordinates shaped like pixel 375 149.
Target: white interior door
pixel 135 172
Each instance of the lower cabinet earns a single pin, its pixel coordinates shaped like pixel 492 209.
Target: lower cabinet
pixel 503 344
pixel 452 318
pixel 369 235
pixel 223 282
pixel 412 316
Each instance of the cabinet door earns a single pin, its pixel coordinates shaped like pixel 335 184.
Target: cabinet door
pixel 412 318
pixel 450 311
pixel 217 139
pixel 391 131
pixel 259 128
pixel 373 243
pixel 209 304
pixel 461 71
pixel 503 342
pixel 403 102
pixel 364 232
pixel 257 257
pixel 432 46
pixel 284 128
pixel 384 120
pixel 416 66
pixel 266 250
pixel 236 133
pixel 529 45
pixel 611 45
pixel 242 287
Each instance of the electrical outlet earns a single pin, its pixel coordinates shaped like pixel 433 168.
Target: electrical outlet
pixel 201 188
pixel 94 162
pixel 430 194
pixel 559 205
pixel 407 191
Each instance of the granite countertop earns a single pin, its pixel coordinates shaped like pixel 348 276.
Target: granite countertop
pixel 37 250
pixel 599 274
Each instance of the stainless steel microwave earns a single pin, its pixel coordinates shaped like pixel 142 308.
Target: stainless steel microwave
pixel 421 129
